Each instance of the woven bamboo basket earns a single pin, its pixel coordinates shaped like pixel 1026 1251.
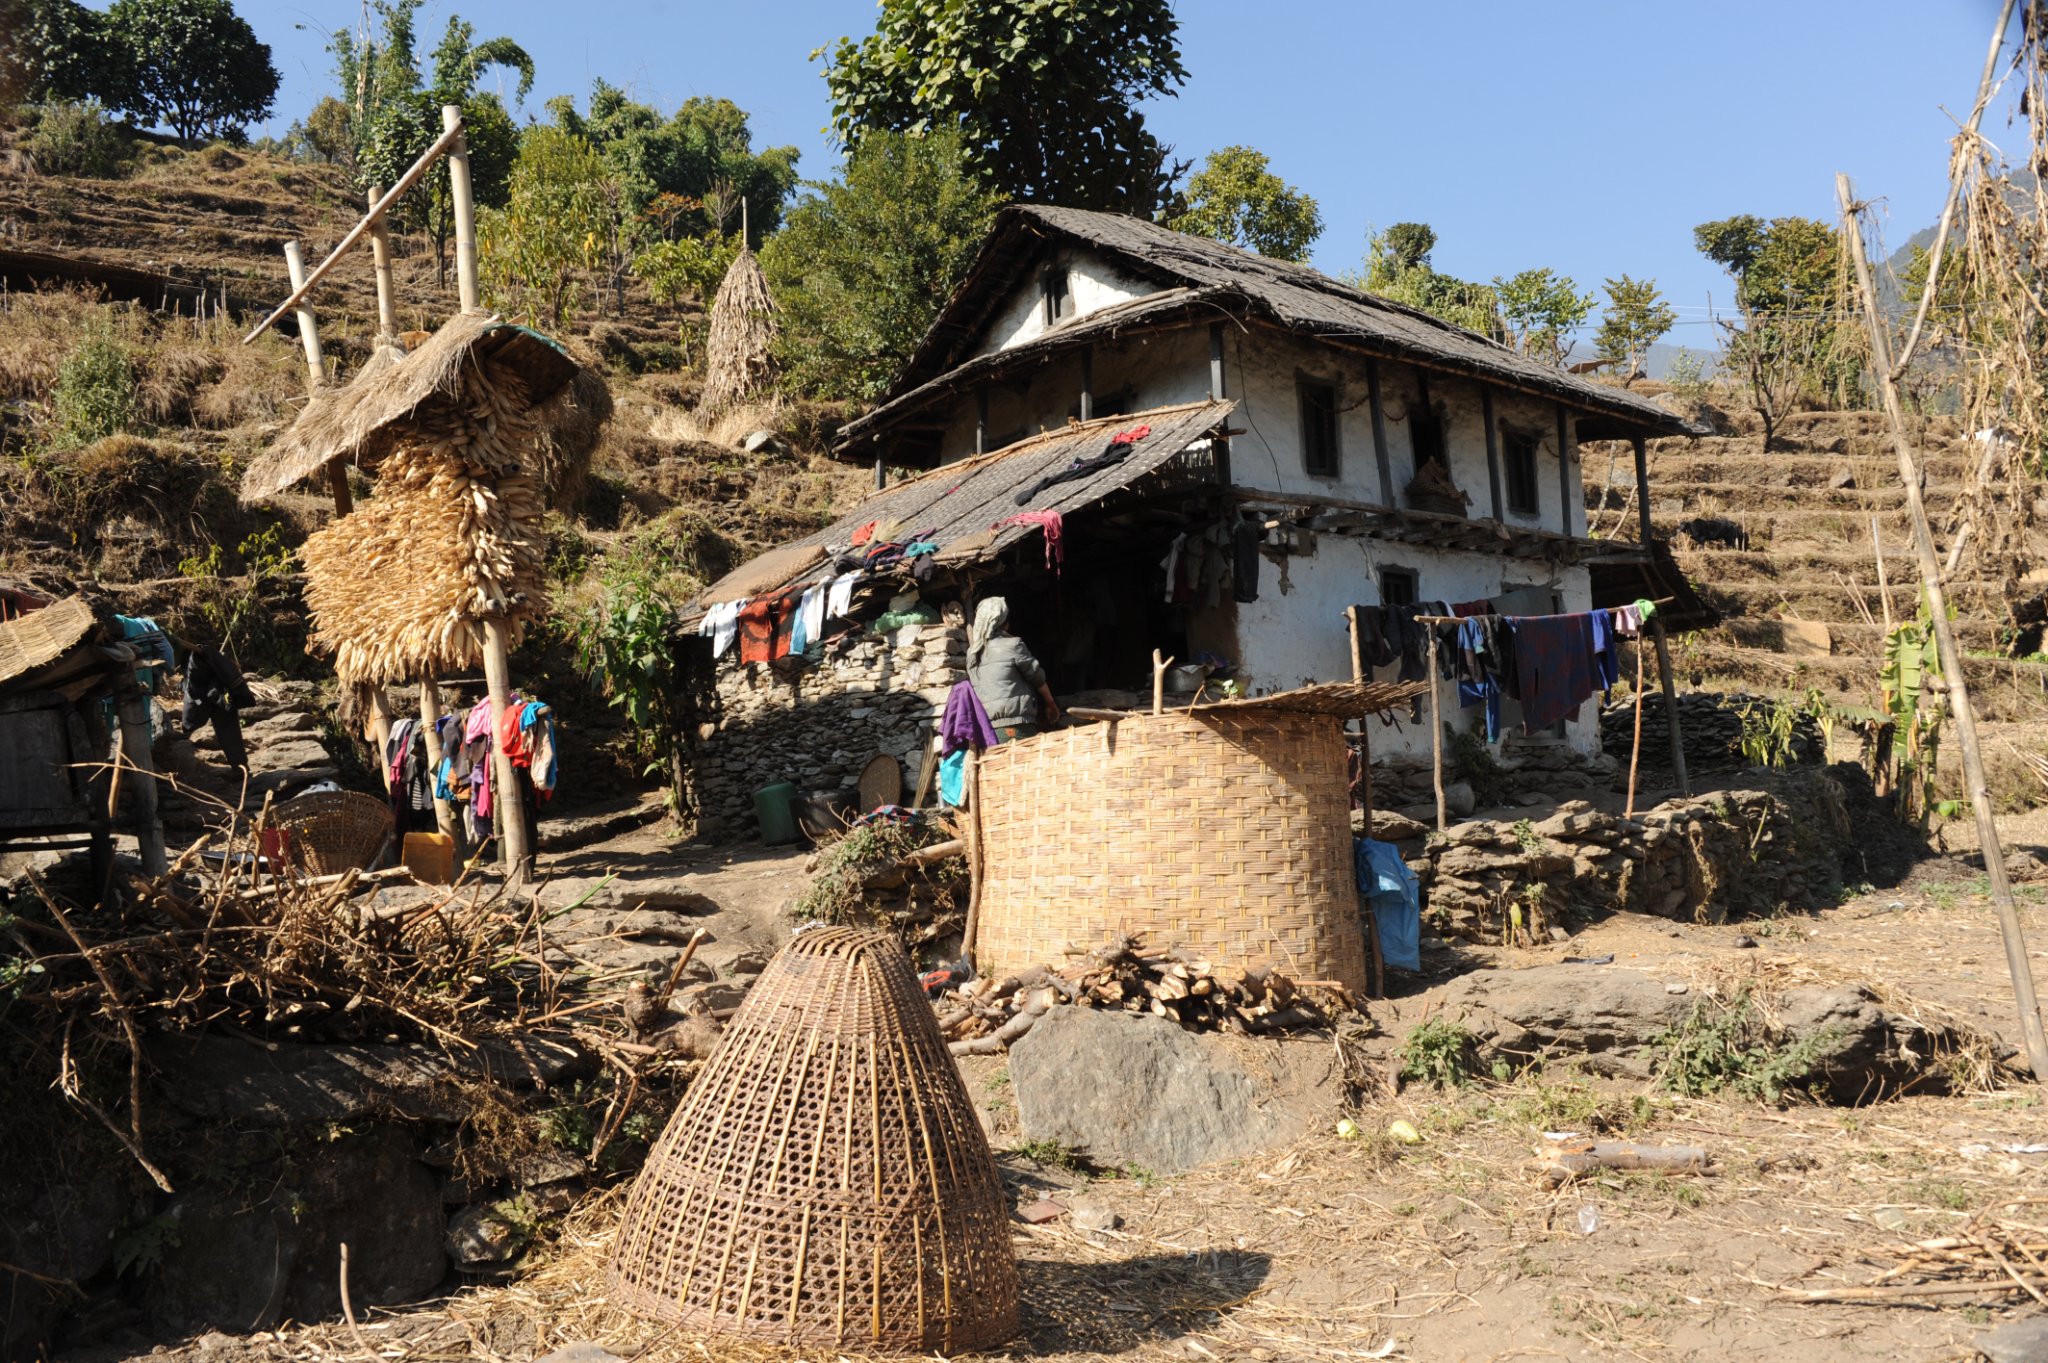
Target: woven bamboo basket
pixel 335 830
pixel 1223 832
pixel 825 1180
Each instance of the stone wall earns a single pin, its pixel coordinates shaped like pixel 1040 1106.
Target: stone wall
pixel 1703 858
pixel 817 720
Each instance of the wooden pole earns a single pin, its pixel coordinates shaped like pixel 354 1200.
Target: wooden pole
pixel 133 713
pixel 971 831
pixel 1365 723
pixel 316 370
pixel 430 719
pixel 1676 732
pixel 1436 735
pixel 1635 752
pixel 505 777
pixel 356 233
pixel 1379 433
pixel 465 206
pixel 1945 644
pixel 1159 666
pixel 387 297
pixel 377 728
pixel 1884 587
pixel 1492 450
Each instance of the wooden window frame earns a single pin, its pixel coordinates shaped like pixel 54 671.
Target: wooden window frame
pixel 1056 294
pixel 1410 578
pixel 1310 392
pixel 1521 470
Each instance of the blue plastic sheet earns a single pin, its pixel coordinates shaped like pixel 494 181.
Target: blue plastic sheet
pixel 1395 896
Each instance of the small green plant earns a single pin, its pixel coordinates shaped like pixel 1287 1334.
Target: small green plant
pixel 1047 1153
pixel 1689 375
pixel 569 1127
pixel 1474 761
pixel 1526 836
pixel 142 1247
pixel 1768 730
pixel 94 396
pixel 1439 1053
pixel 1717 1049
pixel 78 139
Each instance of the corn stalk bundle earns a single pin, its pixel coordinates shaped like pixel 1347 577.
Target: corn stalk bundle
pixel 740 361
pixel 452 537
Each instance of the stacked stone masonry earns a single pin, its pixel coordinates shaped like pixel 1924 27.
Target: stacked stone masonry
pixel 816 720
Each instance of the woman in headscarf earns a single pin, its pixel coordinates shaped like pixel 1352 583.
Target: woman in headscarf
pixel 1008 679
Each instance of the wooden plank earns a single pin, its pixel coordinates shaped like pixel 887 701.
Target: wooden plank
pixel 1379 431
pixel 1492 449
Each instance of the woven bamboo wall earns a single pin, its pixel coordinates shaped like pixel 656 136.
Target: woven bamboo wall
pixel 1226 834
pixel 825 1180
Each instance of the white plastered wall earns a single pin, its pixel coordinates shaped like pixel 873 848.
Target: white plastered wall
pixel 1092 284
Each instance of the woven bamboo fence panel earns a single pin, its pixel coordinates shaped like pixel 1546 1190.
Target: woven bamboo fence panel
pixel 825 1180
pixel 1227 834
pixel 453 535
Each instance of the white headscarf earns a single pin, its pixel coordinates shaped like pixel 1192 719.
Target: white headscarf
pixel 990 615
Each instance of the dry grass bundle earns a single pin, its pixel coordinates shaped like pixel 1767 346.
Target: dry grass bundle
pixel 453 537
pixel 740 362
pixel 569 427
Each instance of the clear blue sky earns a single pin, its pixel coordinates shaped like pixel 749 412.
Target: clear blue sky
pixel 1588 137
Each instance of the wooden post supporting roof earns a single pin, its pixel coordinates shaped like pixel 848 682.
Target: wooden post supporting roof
pixel 1568 516
pixel 1958 685
pixel 1379 432
pixel 1492 449
pixel 1677 735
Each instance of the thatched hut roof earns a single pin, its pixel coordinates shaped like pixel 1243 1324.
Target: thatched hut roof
pixel 361 422
pixel 740 357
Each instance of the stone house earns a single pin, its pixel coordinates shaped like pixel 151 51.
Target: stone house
pixel 1374 453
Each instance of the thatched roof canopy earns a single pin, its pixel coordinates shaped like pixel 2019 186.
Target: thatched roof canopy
pixel 360 422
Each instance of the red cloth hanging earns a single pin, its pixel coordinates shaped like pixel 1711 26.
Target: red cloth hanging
pixel 757 631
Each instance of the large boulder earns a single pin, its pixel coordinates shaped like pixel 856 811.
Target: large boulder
pixel 1130 1090
pixel 1851 1049
pixel 1607 1017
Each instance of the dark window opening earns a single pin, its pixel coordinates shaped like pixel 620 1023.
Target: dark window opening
pixel 1520 454
pixel 1059 299
pixel 1318 427
pixel 1428 434
pixel 1400 587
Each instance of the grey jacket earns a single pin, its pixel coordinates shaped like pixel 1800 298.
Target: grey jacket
pixel 1007 678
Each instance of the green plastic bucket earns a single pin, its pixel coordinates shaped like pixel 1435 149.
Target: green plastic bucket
pixel 772 809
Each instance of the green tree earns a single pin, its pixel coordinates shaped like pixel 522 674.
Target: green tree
pixel 397 124
pixel 1235 198
pixel 1541 308
pixel 1784 264
pixel 534 253
pixel 1796 339
pixel 1636 319
pixel 704 152
pixel 1397 268
pixel 864 261
pixel 1044 93
pixel 193 66
pixel 58 50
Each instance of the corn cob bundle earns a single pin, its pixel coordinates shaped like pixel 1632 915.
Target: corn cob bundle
pixel 452 537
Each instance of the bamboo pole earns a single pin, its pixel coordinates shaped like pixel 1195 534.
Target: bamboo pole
pixel 377 728
pixel 316 369
pixel 1159 666
pixel 1945 642
pixel 356 233
pixel 387 297
pixel 1436 735
pixel 1365 723
pixel 971 832
pixel 1884 587
pixel 132 712
pixel 1670 687
pixel 430 720
pixel 465 206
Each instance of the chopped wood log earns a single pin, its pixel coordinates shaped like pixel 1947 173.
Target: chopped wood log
pixel 1568 1164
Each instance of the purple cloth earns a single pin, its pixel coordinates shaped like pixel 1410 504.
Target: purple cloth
pixel 1554 663
pixel 965 722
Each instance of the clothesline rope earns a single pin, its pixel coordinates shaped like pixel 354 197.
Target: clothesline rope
pixel 1461 619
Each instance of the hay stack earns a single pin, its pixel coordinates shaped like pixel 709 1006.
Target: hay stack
pixel 741 359
pixel 569 426
pixel 826 1181
pixel 452 536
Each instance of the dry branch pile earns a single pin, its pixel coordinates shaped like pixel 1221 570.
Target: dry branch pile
pixel 2002 1250
pixel 986 1015
pixel 453 536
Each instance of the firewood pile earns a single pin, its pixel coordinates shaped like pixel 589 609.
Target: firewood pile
pixel 984 1016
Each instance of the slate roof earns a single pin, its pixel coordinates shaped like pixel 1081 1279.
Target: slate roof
pixel 1194 273
pixel 961 503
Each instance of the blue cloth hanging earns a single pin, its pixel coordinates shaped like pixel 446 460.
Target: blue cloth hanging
pixel 1395 896
pixel 953 778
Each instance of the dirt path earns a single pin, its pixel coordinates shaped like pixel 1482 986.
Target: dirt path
pixel 1451 1248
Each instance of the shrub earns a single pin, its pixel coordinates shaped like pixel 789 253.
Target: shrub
pixel 95 392
pixel 78 139
pixel 1439 1053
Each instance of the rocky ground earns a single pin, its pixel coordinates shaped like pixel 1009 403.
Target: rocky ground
pixel 1294 1242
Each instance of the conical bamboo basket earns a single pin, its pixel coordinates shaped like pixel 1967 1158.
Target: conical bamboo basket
pixel 826 1180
